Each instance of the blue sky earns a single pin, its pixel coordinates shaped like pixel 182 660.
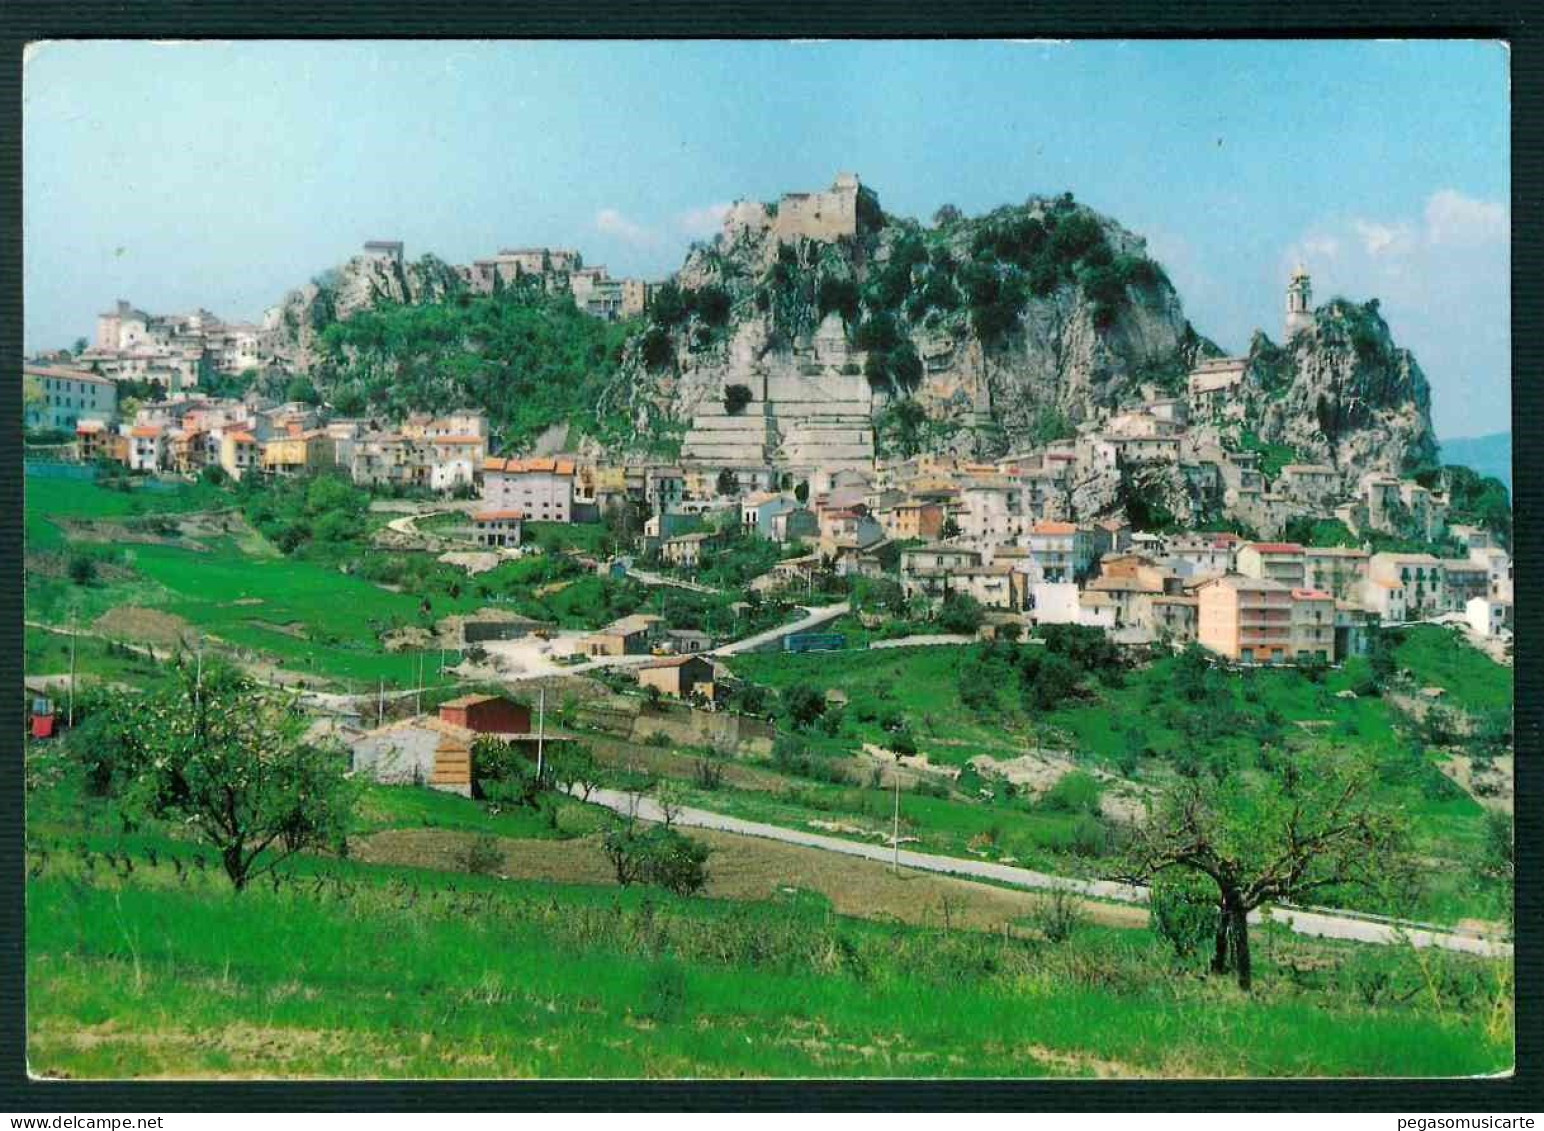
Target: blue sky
pixel 219 175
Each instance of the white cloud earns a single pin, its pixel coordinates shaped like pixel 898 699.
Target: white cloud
pixel 700 223
pixel 1321 247
pixel 1453 218
pixel 612 223
pixel 1385 239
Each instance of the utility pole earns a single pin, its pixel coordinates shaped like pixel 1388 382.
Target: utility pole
pixel 198 670
pixel 70 716
pixel 541 729
pixel 380 704
pixel 418 692
pixel 895 828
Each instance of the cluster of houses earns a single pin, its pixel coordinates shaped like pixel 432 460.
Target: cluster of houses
pixel 178 352
pixel 187 433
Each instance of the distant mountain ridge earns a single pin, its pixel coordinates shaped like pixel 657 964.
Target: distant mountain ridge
pixel 1489 455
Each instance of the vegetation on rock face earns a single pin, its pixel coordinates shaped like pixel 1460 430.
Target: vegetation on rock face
pixel 1474 499
pixel 530 360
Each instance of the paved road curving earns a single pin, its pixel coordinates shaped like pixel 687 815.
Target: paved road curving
pixel 1320 923
pixel 813 618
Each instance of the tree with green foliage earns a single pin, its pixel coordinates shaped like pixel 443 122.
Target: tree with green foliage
pixel 838 293
pixel 82 569
pixel 229 762
pixel 1318 826
pixel 659 855
pixel 803 704
pixel 959 613
pixel 1182 912
pixel 300 388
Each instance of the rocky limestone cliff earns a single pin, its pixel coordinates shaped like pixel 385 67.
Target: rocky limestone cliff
pixel 1341 392
pixel 1000 328
pixel 364 282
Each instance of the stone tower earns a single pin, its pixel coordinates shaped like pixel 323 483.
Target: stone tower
pixel 1299 302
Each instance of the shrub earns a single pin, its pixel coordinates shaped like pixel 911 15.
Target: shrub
pixel 482 857
pixel 712 305
pixel 1182 911
pixel 1075 792
pixel 959 613
pixel 1089 837
pixel 660 856
pixel 657 348
pixel 803 704
pixel 1058 916
pixel 736 397
pixel 82 569
pixel 707 774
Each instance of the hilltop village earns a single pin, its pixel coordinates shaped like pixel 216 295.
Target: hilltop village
pixel 869 605
pixel 1010 536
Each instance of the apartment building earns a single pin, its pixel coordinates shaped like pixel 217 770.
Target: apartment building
pixel 542 489
pixel 1245 618
pixel 1281 562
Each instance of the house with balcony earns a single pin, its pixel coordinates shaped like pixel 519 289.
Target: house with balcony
pixel 1313 626
pixel 1062 551
pixel 1282 562
pixel 1248 619
pixel 1421 576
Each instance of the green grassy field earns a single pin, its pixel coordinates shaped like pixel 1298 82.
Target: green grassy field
pixel 142 961
pixel 73 498
pixel 354 970
pixel 1440 657
pixel 324 611
pixel 1139 731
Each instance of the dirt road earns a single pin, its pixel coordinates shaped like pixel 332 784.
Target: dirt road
pixel 1322 923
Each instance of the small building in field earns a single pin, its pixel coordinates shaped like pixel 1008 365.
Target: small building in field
pixel 629 636
pixel 423 750
pixel 498 528
pixel 679 677
pixel 487 714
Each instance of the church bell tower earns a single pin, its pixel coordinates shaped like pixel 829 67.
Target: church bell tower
pixel 1299 301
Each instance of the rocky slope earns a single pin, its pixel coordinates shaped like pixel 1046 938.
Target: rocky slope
pixel 1341 392
pixel 972 335
pixel 363 283
pixel 1002 328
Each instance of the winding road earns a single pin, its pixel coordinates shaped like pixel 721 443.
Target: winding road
pixel 1322 923
pixel 813 618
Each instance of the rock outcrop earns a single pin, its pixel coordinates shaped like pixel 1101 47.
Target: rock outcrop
pixel 365 281
pixel 1032 317
pixel 1341 392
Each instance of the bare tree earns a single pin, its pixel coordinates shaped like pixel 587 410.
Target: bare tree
pixel 1313 828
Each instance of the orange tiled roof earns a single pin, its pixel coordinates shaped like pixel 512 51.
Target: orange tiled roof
pixel 497 516
pixel 1053 528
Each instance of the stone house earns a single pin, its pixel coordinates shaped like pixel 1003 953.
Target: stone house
pixel 633 635
pixel 497 528
pixel 679 677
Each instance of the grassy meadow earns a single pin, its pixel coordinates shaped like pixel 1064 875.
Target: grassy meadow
pixel 142 963
pixel 1134 734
